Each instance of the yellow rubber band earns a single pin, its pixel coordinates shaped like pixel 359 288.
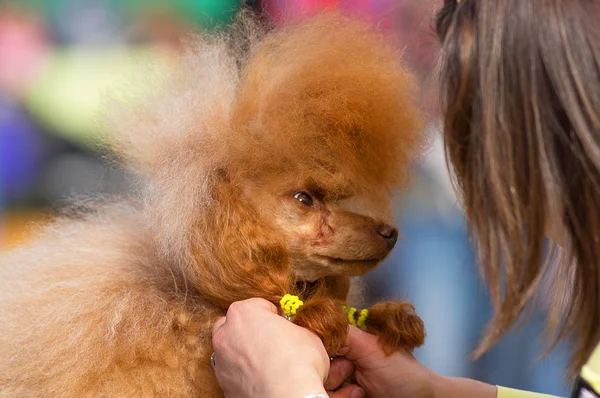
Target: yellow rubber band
pixel 290 304
pixel 362 318
pixel 350 314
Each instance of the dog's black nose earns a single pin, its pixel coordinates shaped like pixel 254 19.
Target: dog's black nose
pixel 389 233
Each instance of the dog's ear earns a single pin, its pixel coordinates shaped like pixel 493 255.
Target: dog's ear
pixel 238 253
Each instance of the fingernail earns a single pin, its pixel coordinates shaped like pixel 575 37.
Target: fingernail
pixel 347 369
pixel 357 393
pixel 343 351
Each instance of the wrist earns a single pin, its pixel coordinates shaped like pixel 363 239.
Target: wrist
pixel 450 387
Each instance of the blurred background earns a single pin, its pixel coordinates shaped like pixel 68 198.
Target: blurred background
pixel 58 58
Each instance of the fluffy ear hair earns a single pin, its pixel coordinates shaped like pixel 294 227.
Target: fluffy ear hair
pixel 397 325
pixel 238 254
pixel 324 317
pixel 181 115
pixel 175 134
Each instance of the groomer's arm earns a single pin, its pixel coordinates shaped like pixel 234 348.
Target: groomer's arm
pixel 401 375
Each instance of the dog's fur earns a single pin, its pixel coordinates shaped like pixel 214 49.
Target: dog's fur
pixel 119 299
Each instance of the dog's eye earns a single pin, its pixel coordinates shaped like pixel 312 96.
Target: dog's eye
pixel 304 198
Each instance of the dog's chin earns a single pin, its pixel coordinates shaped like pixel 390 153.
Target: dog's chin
pixel 321 266
pixel 350 267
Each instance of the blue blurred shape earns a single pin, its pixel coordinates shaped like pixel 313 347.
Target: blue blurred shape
pixel 20 151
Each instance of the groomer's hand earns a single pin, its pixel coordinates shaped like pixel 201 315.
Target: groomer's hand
pixel 261 354
pixel 399 375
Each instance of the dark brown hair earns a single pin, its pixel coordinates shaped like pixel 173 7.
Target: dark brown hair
pixel 521 95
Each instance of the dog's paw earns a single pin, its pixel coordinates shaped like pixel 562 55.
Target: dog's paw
pixel 397 325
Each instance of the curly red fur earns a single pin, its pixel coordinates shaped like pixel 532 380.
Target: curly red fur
pixel 397 325
pixel 120 300
pixel 322 316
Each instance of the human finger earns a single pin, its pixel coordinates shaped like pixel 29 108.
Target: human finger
pixel 252 304
pixel 339 370
pixel 218 324
pixel 349 391
pixel 359 344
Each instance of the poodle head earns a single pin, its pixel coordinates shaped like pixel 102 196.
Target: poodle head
pixel 324 134
pixel 281 159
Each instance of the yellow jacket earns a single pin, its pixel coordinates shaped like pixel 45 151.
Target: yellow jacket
pixel 589 384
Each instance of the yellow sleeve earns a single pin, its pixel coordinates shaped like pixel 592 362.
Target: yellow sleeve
pixel 591 371
pixel 504 392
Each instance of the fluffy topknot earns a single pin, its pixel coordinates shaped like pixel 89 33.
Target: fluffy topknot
pixel 331 95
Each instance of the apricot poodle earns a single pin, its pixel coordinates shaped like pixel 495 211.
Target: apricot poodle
pixel 268 164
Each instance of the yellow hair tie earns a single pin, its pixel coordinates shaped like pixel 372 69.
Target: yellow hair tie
pixel 362 318
pixel 350 311
pixel 350 314
pixel 290 304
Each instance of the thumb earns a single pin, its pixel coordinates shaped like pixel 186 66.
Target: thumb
pixel 360 345
pixel 261 304
pixel 251 305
